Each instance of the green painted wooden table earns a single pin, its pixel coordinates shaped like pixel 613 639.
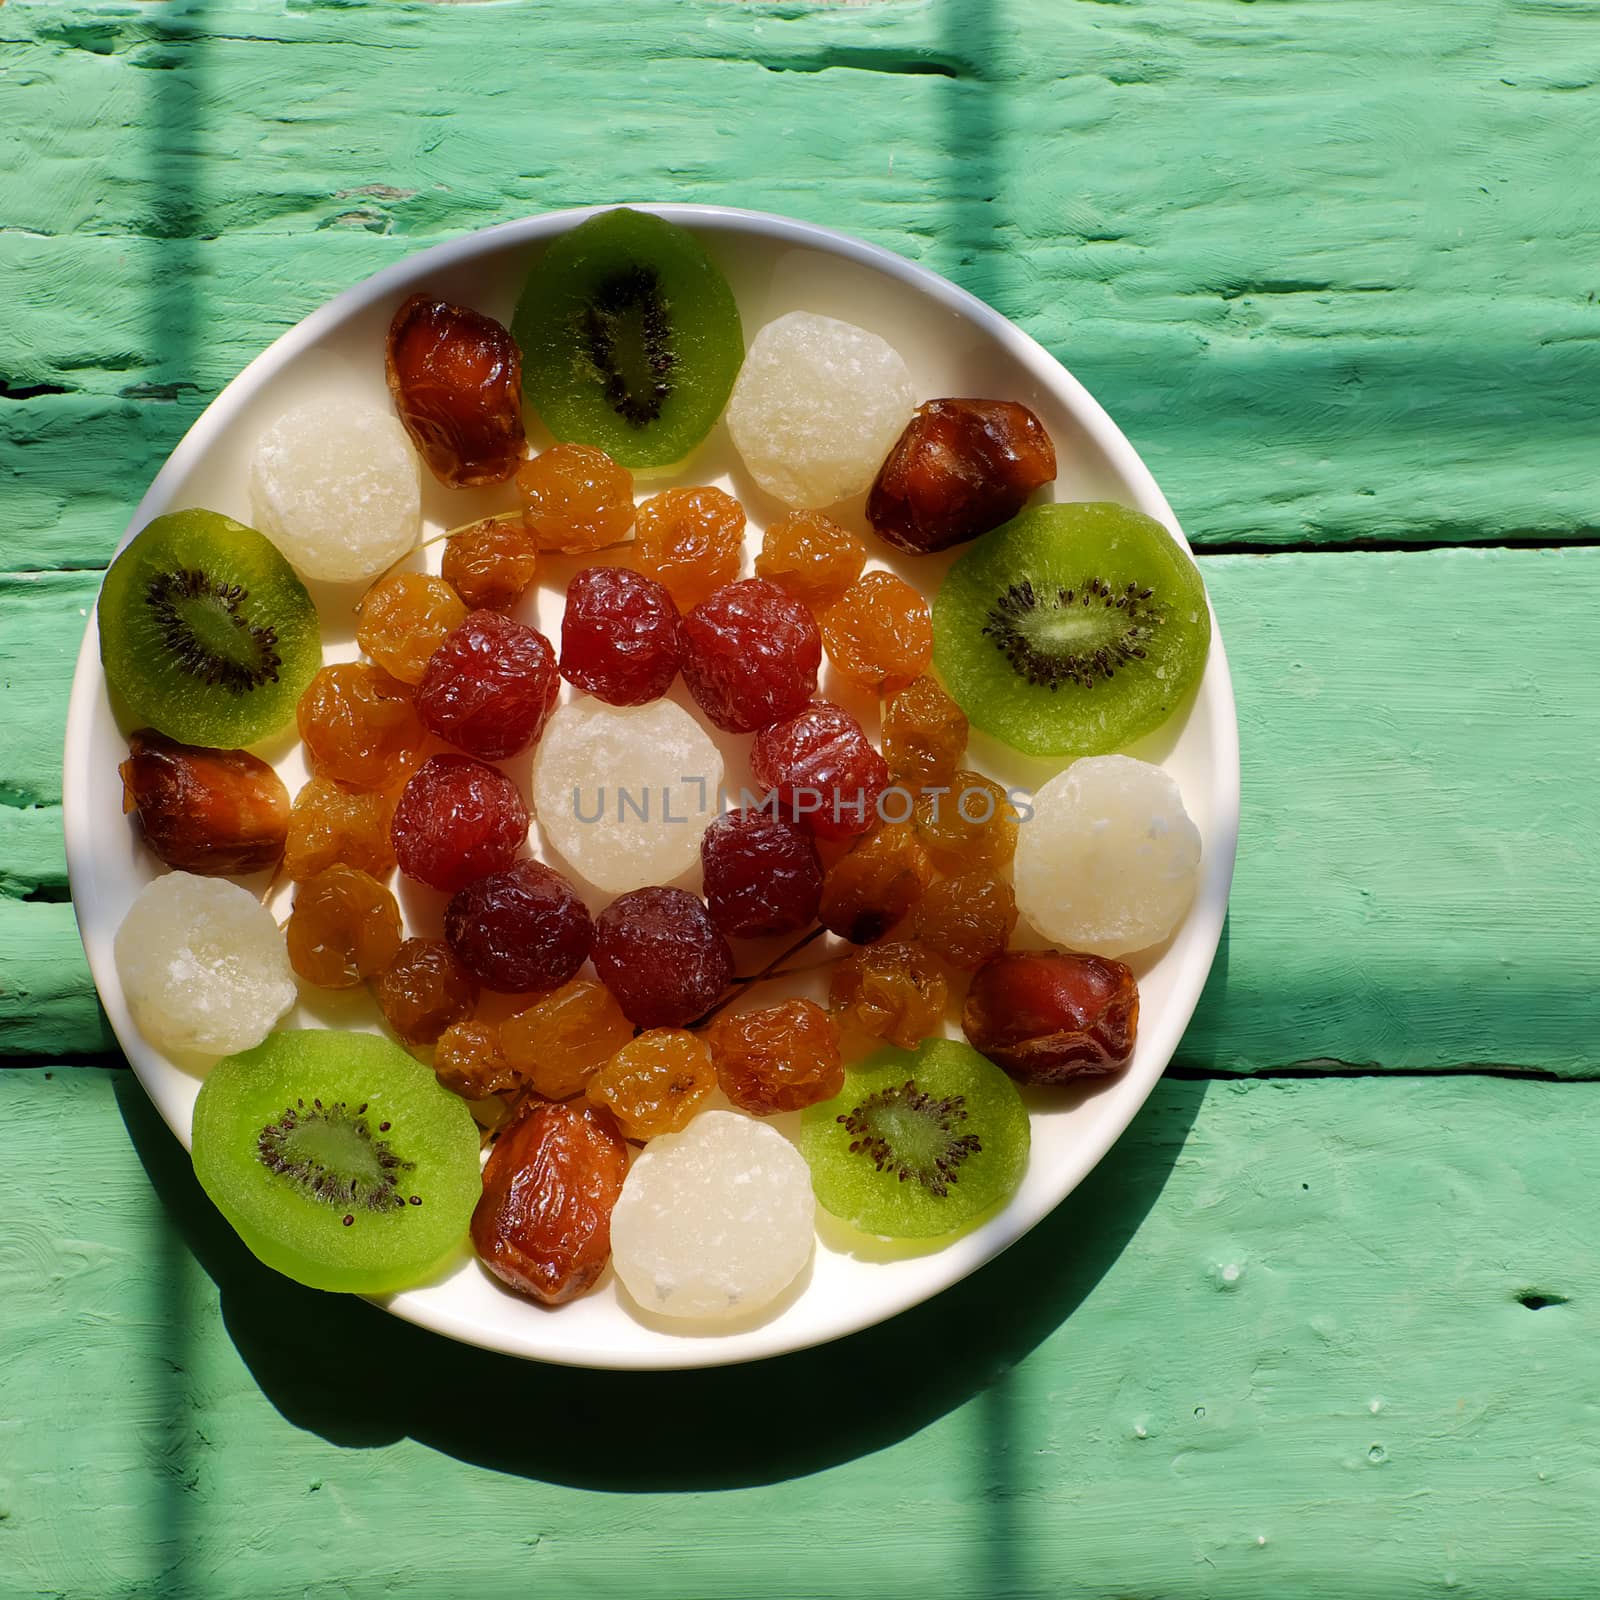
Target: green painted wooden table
pixel 1325 1321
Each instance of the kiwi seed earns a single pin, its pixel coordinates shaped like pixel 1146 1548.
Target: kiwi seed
pixel 184 602
pixel 330 1155
pixel 1049 641
pixel 635 289
pixel 913 1135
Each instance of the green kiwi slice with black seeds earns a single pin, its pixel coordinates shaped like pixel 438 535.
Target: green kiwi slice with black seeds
pixel 339 1159
pixel 630 338
pixel 206 634
pixel 1072 630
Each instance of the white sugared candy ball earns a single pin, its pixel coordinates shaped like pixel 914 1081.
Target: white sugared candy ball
pixel 625 792
pixel 817 407
pixel 337 487
pixel 203 965
pixel 714 1222
pixel 1109 861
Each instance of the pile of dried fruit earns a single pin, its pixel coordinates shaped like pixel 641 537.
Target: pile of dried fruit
pixel 575 1026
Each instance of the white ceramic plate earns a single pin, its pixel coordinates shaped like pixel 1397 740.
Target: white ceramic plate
pixel 955 345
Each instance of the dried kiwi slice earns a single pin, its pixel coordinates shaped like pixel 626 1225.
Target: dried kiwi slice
pixel 630 338
pixel 206 634
pixel 917 1145
pixel 1072 630
pixel 338 1159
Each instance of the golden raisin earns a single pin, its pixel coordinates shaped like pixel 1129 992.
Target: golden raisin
pixel 781 1058
pixel 469 1062
pixel 359 727
pixel 402 620
pixel 865 893
pixel 575 498
pixel 655 1083
pixel 811 556
pixel 344 927
pixel 879 631
pixel 891 991
pixel 972 825
pixel 924 735
pixel 691 541
pixel 562 1040
pixel 966 919
pixel 490 564
pixel 330 826
pixel 424 989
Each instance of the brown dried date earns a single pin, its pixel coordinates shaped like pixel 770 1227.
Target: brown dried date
pixel 456 379
pixel 960 468
pixel 543 1225
pixel 1048 1016
pixel 207 811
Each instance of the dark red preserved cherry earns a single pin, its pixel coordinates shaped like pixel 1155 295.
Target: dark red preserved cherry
pixel 658 951
pixel 456 379
pixel 960 468
pixel 1048 1016
pixel 824 771
pixel 521 930
pixel 761 875
pixel 543 1225
pixel 456 820
pixel 490 687
pixel 620 636
pixel 751 654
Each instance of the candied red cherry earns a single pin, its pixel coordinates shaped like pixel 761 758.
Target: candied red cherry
pixel 458 819
pixel 490 687
pixel 659 952
pixel 761 875
pixel 751 654
pixel 456 379
pixel 960 468
pixel 824 771
pixel 1048 1016
pixel 521 930
pixel 620 636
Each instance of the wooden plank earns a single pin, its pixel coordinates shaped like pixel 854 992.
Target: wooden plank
pixel 1282 1342
pixel 1330 278
pixel 1419 876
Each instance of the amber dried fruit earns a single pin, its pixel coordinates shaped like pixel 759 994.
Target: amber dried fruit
pixel 924 735
pixel 655 1083
pixel 424 989
pixel 456 379
pixel 211 812
pixel 331 826
pixel 892 990
pixel 865 893
pixel 879 630
pixel 344 927
pixel 966 919
pixel 469 1062
pixel 691 541
pixel 575 498
pixel 359 727
pixel 960 468
pixel 970 824
pixel 491 564
pixel 781 1058
pixel 402 620
pixel 543 1225
pixel 1048 1016
pixel 811 556
pixel 563 1039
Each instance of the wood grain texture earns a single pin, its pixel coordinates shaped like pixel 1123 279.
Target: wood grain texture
pixel 1282 1342
pixel 1419 872
pixel 1330 277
